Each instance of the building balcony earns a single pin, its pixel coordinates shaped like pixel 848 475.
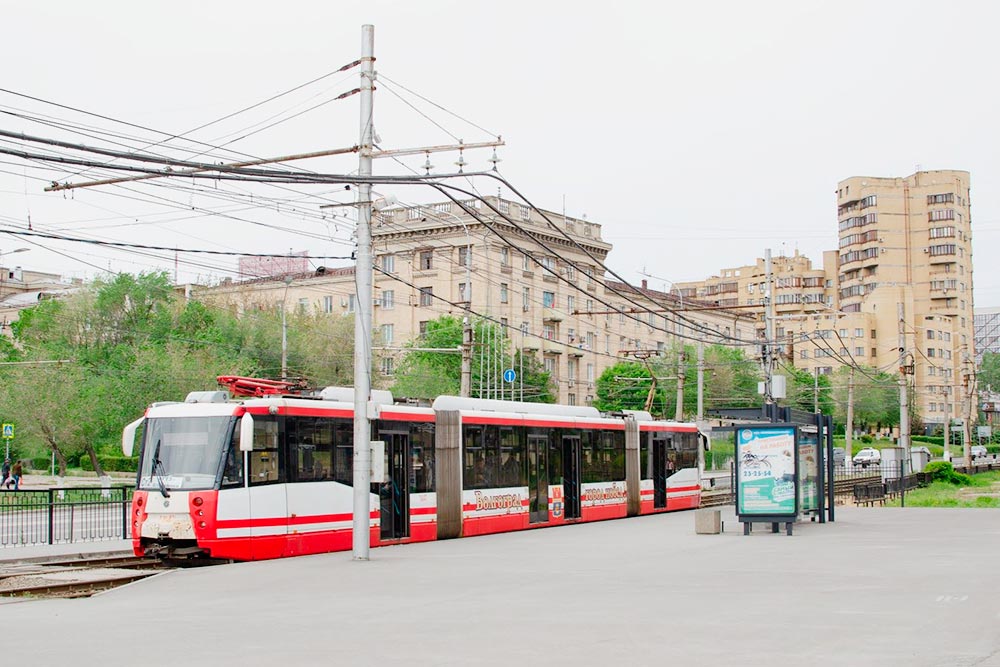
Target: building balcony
pixel 552 315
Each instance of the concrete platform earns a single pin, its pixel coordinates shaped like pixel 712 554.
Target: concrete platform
pixel 881 586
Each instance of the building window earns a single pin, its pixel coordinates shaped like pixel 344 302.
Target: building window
pixel 525 261
pixel 550 365
pixel 465 292
pixel 504 207
pixel 572 399
pixel 426 296
pixel 327 304
pixel 387 366
pixel 422 328
pixel 503 293
pixel 571 304
pixel 351 303
pixel 388 263
pixel 387 331
pixel 944 249
pixel 525 298
pixel 942 214
pixel 504 256
pixel 859 333
pixel 525 213
pixel 590 373
pixel 465 255
pixel 426 260
pixel 549 264
pixel 570 272
pixel 524 328
pixel 803 354
pixel 549 299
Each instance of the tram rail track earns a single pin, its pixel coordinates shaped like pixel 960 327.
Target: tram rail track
pixel 73 577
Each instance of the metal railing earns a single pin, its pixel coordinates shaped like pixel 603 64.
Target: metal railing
pixel 64 515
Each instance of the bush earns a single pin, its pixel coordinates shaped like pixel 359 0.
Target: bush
pixel 993 449
pixel 943 471
pixel 929 439
pixel 112 463
pixel 867 439
pixel 41 463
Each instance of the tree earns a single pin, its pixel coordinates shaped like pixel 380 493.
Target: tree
pixel 876 397
pixel 989 371
pixel 804 388
pixel 428 374
pixel 625 386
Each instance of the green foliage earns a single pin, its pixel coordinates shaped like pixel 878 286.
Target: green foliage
pixel 625 386
pixel 929 439
pixel 943 471
pixel 876 397
pixel 804 388
pixel 988 376
pixel 127 342
pixel 867 438
pixel 113 463
pixel 424 374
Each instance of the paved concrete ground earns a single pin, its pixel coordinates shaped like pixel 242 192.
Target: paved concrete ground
pixel 878 587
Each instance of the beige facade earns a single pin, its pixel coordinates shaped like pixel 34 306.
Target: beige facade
pixel 901 241
pixel 20 289
pixel 541 279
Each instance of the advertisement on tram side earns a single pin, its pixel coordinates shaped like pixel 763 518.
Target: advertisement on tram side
pixel 766 470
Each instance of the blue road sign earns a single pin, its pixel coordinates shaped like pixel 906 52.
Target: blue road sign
pixel 8 430
pixel 509 375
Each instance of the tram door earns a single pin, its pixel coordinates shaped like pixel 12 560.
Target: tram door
pixel 659 472
pixel 393 493
pixel 571 475
pixel 538 479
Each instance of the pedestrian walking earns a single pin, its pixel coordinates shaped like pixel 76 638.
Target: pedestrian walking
pixel 5 471
pixel 15 475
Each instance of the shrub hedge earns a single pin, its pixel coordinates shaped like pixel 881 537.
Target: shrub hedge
pixel 112 463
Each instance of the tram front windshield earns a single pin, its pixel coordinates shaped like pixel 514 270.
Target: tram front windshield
pixel 183 452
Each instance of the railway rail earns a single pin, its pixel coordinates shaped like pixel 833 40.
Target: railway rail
pixel 73 577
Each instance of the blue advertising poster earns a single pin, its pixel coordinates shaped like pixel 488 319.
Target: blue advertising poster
pixel 765 471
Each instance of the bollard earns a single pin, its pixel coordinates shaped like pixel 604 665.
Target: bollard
pixel 708 522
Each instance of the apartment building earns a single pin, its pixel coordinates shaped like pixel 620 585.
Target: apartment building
pixel 538 274
pixel 903 242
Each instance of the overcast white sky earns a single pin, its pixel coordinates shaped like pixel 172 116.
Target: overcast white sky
pixel 697 134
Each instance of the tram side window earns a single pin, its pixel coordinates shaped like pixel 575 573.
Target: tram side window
pixel 512 471
pixel 591 455
pixel 684 452
pixel 555 456
pixel 310 443
pixel 265 466
pixel 613 454
pixel 422 458
pixel 474 458
pixel 645 456
pixel 343 467
pixel 232 471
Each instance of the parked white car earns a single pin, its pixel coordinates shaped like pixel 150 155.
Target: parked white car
pixel 867 456
pixel 978 452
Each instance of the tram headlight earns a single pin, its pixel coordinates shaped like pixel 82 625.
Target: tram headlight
pixel 201 524
pixel 197 501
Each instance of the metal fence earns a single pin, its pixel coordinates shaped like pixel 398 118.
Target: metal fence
pixel 64 515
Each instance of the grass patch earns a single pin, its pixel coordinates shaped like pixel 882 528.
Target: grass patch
pixel 945 494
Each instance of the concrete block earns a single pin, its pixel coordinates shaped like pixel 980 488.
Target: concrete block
pixel 708 522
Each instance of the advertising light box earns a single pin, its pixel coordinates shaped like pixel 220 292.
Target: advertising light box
pixel 766 470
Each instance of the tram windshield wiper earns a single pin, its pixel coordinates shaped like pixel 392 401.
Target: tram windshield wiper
pixel 158 471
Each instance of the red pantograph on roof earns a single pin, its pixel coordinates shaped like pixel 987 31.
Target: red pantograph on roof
pixel 243 386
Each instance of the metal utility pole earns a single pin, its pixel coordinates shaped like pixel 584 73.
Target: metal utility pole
pixel 769 331
pixel 284 330
pixel 679 412
pixel 701 380
pixel 904 417
pixel 849 427
pixel 466 387
pixel 816 389
pixel 363 317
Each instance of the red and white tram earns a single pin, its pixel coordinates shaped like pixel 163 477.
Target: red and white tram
pixel 461 467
